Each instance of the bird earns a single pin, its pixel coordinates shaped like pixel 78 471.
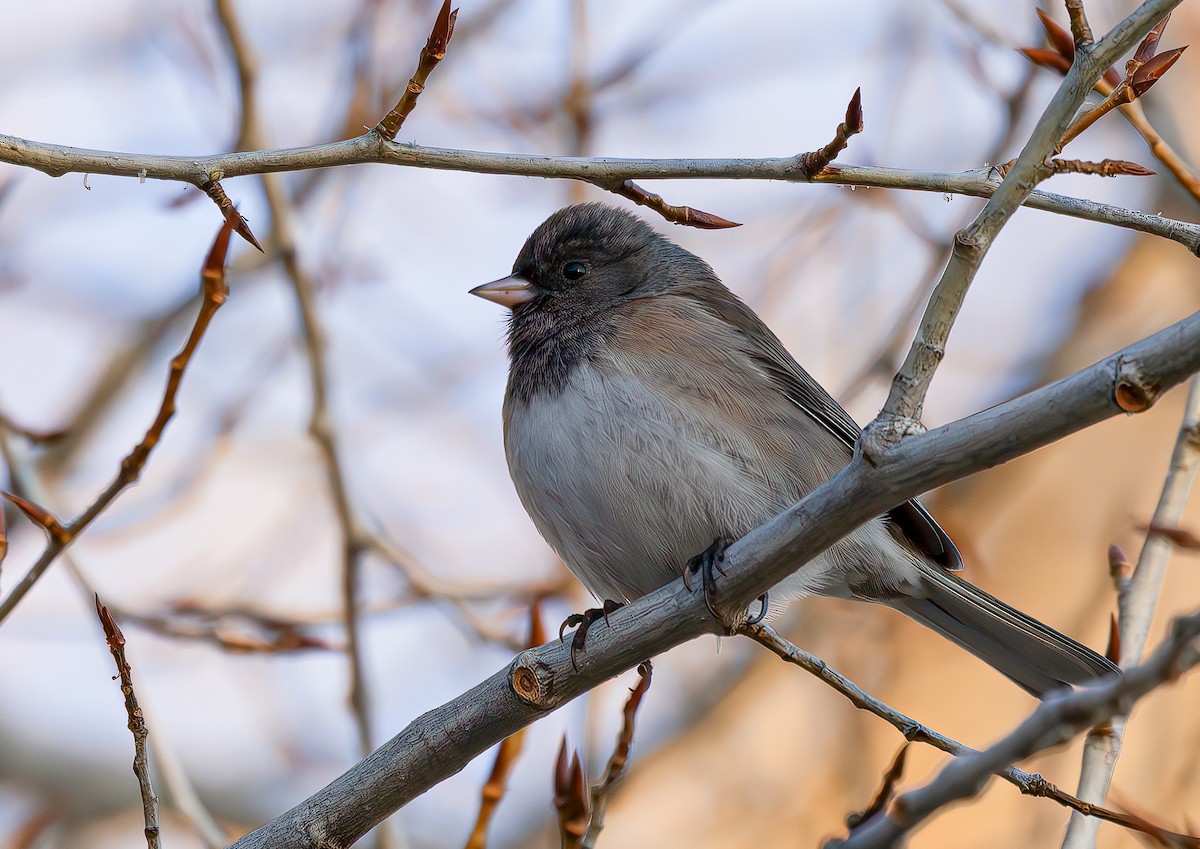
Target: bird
pixel 651 418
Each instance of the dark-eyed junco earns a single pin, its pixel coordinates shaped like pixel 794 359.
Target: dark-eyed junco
pixel 650 412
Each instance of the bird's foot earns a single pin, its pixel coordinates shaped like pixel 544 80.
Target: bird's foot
pixel 708 564
pixel 582 621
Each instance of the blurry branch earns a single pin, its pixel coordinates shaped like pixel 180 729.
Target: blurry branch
pixel 27 479
pixel 141 762
pixel 214 290
pixel 887 788
pixel 580 807
pixel 1030 784
pixel 602 793
pixel 506 755
pixel 1137 597
pixel 902 412
pixel 1057 720
pixel 541 680
pixel 570 798
pixel 1058 57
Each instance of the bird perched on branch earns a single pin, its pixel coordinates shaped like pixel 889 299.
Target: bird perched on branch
pixel 651 418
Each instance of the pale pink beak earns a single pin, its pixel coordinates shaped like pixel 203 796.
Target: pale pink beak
pixel 507 291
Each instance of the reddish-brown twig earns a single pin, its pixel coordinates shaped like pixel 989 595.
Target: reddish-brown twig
pixel 572 802
pixel 817 161
pixel 1030 784
pixel 685 215
pixel 431 54
pixel 602 792
pixel 213 291
pixel 506 754
pixel 137 725
pixel 885 793
pixel 1141 73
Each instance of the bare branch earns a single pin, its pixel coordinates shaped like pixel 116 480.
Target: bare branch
pixel 902 412
pixel 57 160
pixel 431 54
pixel 1030 784
pixel 542 680
pixel 137 725
pixel 213 290
pixel 1056 720
pixel 619 760
pixel 1137 597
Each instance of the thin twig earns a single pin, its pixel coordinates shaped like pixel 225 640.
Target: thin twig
pixel 1030 784
pixel 506 754
pixel 1137 600
pixel 57 160
pixel 137 725
pixel 902 412
pixel 1079 23
pixel 1057 720
pixel 213 291
pixel 315 344
pixel 619 760
pixel 431 54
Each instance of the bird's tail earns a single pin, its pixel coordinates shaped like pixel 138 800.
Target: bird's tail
pixel 1035 656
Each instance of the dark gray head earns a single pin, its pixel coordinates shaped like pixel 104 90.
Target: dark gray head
pixel 569 281
pixel 590 256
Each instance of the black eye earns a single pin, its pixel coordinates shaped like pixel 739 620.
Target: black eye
pixel 574 270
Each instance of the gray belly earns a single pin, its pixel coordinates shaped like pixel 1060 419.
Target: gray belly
pixel 626 487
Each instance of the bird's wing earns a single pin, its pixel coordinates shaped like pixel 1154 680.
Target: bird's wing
pixel 810 397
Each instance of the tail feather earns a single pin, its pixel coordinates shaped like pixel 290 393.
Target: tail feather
pixel 1035 656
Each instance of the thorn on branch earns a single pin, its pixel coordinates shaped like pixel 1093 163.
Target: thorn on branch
pixel 137 724
pixel 39 516
pixel 215 191
pixel 814 162
pixel 685 215
pixel 431 54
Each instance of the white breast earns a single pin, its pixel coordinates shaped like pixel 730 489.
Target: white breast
pixel 599 468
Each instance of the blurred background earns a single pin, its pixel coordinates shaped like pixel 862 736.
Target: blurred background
pixel 224 565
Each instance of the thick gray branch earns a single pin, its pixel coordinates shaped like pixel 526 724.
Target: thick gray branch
pixel 442 741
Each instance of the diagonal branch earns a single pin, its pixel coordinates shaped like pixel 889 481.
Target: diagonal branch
pixel 441 742
pixel 213 290
pixel 902 412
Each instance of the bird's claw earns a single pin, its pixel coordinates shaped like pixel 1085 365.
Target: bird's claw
pixel 581 622
pixel 708 564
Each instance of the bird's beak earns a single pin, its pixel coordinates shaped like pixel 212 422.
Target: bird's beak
pixel 507 291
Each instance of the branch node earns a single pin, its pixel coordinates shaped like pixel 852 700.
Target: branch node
pixel 1133 392
pixel 532 680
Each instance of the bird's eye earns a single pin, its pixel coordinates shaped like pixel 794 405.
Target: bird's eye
pixel 574 270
